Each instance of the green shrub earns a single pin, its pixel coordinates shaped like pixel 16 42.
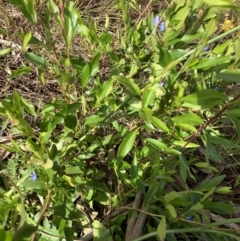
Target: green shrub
pixel 141 113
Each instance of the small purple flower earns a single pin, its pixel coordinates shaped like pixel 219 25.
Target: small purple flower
pixel 156 21
pixel 190 218
pixel 161 84
pixel 206 48
pixel 33 176
pixel 162 27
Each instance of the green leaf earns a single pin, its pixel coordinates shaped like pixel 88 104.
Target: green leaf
pixel 5 51
pixel 21 71
pixel 219 49
pixel 183 144
pixel 162 147
pixel 188 118
pixel 70 21
pixel 97 185
pixel 147 97
pixel 206 185
pixel 74 170
pixel 93 120
pixel 204 99
pixel 26 40
pixel 149 197
pixel 34 185
pixel 67 212
pixel 105 89
pixel 28 106
pixel 69 234
pixel 146 114
pixel 206 165
pixel 159 124
pixel 223 190
pixel 236 121
pixel 231 75
pixel 127 144
pixel 24 233
pixel 67 79
pixel 17 105
pixel 207 63
pixel 71 122
pixel 183 168
pixel 162 229
pixel 171 210
pixel 36 59
pixel 86 74
pixel 224 142
pixel 129 84
pixel 221 3
pixel 100 232
pixel 5 235
pixel 94 65
pixel 218 207
pixel 134 168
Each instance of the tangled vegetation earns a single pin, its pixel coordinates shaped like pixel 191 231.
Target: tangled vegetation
pixel 119 120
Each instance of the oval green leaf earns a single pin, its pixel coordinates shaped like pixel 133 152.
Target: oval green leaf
pixel 127 144
pixel 162 229
pixel 36 59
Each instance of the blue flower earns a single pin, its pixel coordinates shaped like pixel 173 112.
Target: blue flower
pixel 190 218
pixel 156 21
pixel 162 27
pixel 33 176
pixel 206 48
